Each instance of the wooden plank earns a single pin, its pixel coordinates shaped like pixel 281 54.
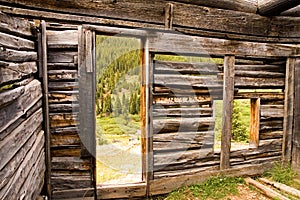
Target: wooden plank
pixel 171 67
pixel 254 122
pixel 288 110
pixel 71 182
pixel 169 184
pixel 260 68
pixel 32 94
pixel 63 96
pixel 71 151
pixel 270 125
pixel 252 82
pixel 62 39
pixel 265 190
pixel 9 96
pixel 182 124
pixel 296 135
pixel 70 163
pixel 282 187
pixel 248 6
pixel 14 42
pixel 182 112
pixel 63 119
pixel 270 135
pixel 121 191
pixel 61 66
pixel 62 75
pixel 268 112
pixel 228 96
pixel 62 140
pixel 74 193
pixel 61 56
pixel 275 7
pixel 10 72
pixel 63 107
pixel 11 55
pixel 213 46
pixel 16 25
pixel 294 12
pixel 13 142
pixel 169 12
pixel 63 86
pixel 16 181
pixel 181 101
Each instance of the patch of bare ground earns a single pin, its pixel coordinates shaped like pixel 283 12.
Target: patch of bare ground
pixel 246 193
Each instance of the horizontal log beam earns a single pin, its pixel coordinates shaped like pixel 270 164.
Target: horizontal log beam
pixel 275 7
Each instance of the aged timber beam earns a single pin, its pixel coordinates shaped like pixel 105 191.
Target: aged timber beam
pixel 275 7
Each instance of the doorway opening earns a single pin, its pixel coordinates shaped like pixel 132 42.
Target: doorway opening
pixel 118 110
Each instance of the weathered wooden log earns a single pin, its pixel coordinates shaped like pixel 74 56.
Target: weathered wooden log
pixel 261 74
pixel 176 141
pixel 70 163
pixel 63 119
pixel 62 39
pixel 293 12
pixel 15 183
pixel 275 7
pixel 13 142
pixel 69 151
pixel 61 56
pixel 177 44
pixel 269 159
pixel 63 107
pixel 64 130
pixel 17 56
pixel 181 112
pixel 265 97
pixel 63 85
pixel 282 187
pixel 265 190
pixel 214 91
pixel 259 67
pixel 182 101
pixel 182 124
pixel 270 125
pixel 15 25
pixel 61 66
pixel 70 182
pixel 122 191
pixel 10 72
pixel 75 194
pixel 17 43
pixel 63 96
pixel 62 75
pixel 252 82
pixel 8 96
pixel 171 67
pixel 270 135
pixel 269 112
pixel 62 140
pixel 20 106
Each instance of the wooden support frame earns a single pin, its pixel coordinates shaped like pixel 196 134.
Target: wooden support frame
pixel 228 96
pixel 44 74
pixel 288 110
pixel 254 122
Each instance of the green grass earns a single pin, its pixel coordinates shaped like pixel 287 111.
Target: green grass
pixel 281 173
pixel 213 188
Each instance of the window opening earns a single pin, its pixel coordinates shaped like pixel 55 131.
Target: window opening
pixel 118 113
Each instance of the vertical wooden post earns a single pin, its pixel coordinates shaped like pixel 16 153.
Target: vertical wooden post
pixel 44 63
pixel 254 122
pixel 228 95
pixel 288 110
pixel 296 132
pixel 169 9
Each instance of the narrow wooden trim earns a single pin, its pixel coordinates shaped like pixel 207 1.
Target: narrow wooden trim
pixel 296 136
pixel 254 122
pixel 228 96
pixel 121 191
pixel 46 107
pixel 169 12
pixel 88 51
pixel 288 110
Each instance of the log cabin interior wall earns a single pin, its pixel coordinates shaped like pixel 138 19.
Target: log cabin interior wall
pixel 263 52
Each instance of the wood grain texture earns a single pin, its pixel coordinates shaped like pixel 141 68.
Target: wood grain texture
pixel 275 7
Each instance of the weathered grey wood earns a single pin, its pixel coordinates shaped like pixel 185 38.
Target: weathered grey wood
pixel 252 82
pixel 239 5
pixel 10 113
pixel 13 142
pixel 62 75
pixel 67 151
pixel 63 119
pixel 16 71
pixel 171 67
pixel 63 107
pixel 61 140
pixel 288 110
pixel 70 163
pixel 271 125
pixel 121 191
pixel 270 135
pixel 63 96
pixel 260 68
pixel 9 96
pixel 61 56
pixel 62 39
pixel 182 112
pixel 212 46
pixel 179 101
pixel 60 66
pixel 175 182
pixel 275 7
pixel 182 124
pixel 228 96
pixel 15 25
pixel 17 43
pixel 71 182
pixel 169 12
pixel 74 193
pixel 260 74
pixel 264 96
pixel 20 175
pixel 266 190
pixel 296 135
pixel 63 86
pixel 17 56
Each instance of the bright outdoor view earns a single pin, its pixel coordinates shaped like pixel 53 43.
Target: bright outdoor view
pixel 118 110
